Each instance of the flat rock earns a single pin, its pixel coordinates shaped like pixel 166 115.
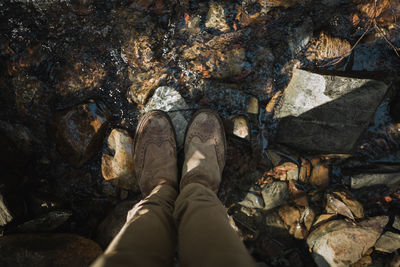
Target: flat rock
pixel 388 242
pixel 42 250
pixel 396 223
pixel 275 194
pixel 372 179
pixel 117 162
pixel 169 100
pixel 341 243
pixel 80 132
pixel 5 215
pixel 112 224
pixel 326 113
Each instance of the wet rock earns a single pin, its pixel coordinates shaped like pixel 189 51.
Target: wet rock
pixel 16 143
pixel 138 53
pixel 241 127
pixel 388 242
pixel 45 223
pixel 118 168
pixel 299 36
pixel 144 84
pixel 286 171
pixel 80 131
pixel 169 100
pixel 47 250
pixel 341 243
pixel 335 2
pixel 216 17
pixel 396 223
pixel 371 179
pixel 275 194
pixel 329 113
pixel 5 215
pixel 326 47
pixel 252 200
pixel 112 224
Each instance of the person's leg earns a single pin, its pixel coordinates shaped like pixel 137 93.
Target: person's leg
pixel 205 237
pixel 149 236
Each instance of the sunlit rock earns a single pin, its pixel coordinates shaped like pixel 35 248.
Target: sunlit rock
pixel 241 127
pixel 117 162
pixel 326 113
pixel 388 242
pixel 341 243
pixel 169 100
pixel 216 17
pixel 79 132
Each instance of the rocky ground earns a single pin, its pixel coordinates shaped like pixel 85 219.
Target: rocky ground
pixel 308 92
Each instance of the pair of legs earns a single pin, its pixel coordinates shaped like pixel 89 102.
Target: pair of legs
pixel 193 220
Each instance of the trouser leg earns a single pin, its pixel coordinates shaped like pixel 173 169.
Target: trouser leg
pixel 205 237
pixel 148 238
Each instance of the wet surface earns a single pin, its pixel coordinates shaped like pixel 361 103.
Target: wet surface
pixel 231 56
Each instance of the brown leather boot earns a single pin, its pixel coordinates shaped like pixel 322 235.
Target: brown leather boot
pixel 205 148
pixel 155 152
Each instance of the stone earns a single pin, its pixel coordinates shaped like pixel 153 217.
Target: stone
pixel 252 105
pixel 216 17
pixel 45 223
pixel 241 127
pixel 275 194
pixel 5 215
pixel 290 215
pixel 298 196
pixel 169 100
pixel 113 222
pixel 319 174
pixel 388 242
pixel 341 243
pixel 373 179
pixel 300 35
pixel 276 228
pixel 44 250
pixel 326 113
pixel 252 200
pixel 286 171
pixel 118 168
pixel 326 47
pixel 80 131
pixel 323 218
pixel 396 222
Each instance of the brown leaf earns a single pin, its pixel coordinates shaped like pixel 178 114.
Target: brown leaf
pixel 355 206
pixel 289 214
pixel 307 217
pixel 271 104
pixel 320 174
pixel 323 218
pixel 338 206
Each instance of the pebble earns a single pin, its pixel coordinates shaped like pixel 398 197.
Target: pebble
pixel 241 127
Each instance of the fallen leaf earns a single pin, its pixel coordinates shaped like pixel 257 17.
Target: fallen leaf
pixel 320 174
pixel 271 104
pixel 338 206
pixel 323 218
pixel 299 196
pixel 355 206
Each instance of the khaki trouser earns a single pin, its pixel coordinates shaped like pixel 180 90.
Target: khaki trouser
pixel 195 221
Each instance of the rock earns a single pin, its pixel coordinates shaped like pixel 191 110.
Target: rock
pixel 319 174
pixel 326 47
pixel 118 167
pixel 305 170
pixel 396 223
pixel 298 196
pixel 45 223
pixel 307 217
pixel 112 224
pixel 341 243
pixel 286 171
pixel 275 194
pixel 144 84
pixel 137 51
pixel 335 2
pixel 5 215
pixel 329 113
pixel 252 200
pixel 290 215
pixel 44 250
pixel 252 105
pixel 388 242
pixel 276 228
pixel 241 127
pixel 323 218
pixel 80 132
pixel 372 179
pixel 216 17
pixel 300 35
pixel 16 143
pixel 169 100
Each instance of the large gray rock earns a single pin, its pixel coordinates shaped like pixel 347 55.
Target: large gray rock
pixel 275 194
pixel 42 250
pixel 341 243
pixel 326 113
pixel 5 215
pixel 371 179
pixel 388 242
pixel 169 100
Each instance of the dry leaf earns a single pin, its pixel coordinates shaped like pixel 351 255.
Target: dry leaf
pixel 338 206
